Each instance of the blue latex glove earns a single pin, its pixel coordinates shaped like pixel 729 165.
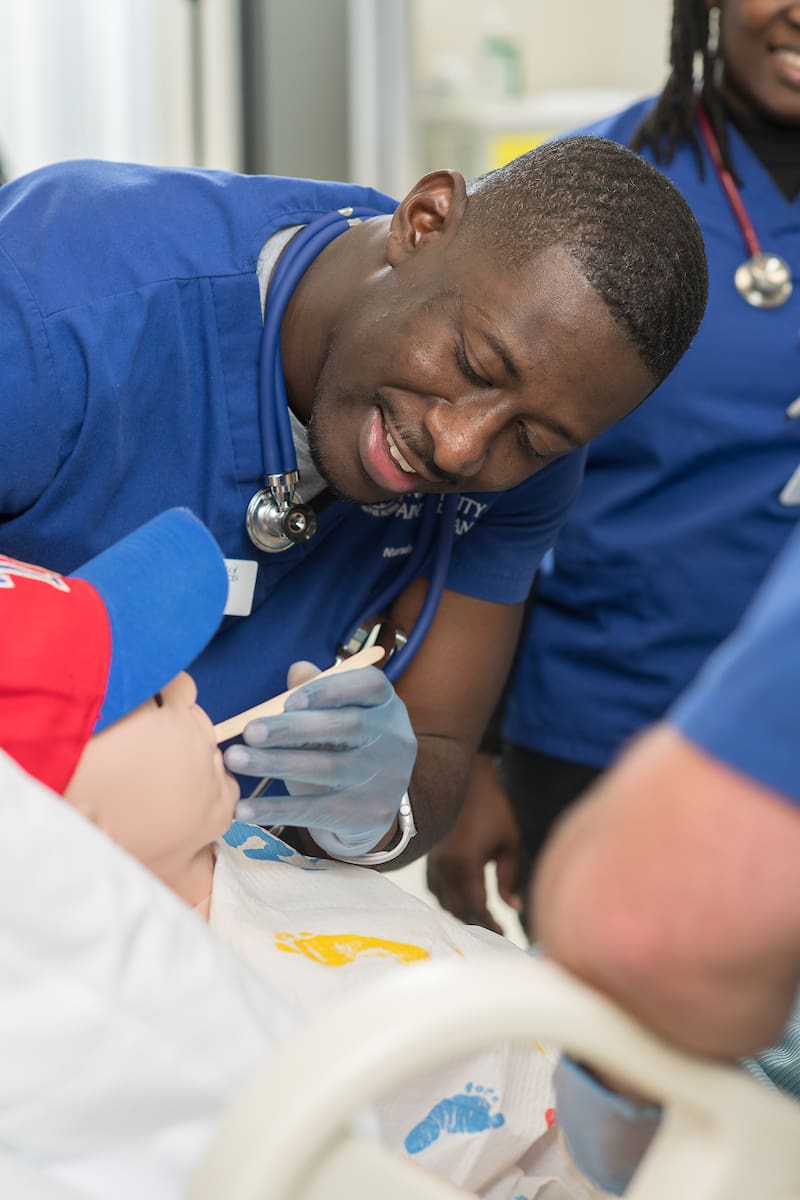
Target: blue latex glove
pixel 345 749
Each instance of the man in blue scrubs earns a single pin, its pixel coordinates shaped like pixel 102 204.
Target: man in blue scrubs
pixel 674 886
pixel 470 340
pixel 687 501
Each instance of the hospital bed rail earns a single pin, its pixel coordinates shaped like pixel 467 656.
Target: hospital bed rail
pixel 288 1134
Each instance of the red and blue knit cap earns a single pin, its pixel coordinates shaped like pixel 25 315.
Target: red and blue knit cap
pixel 79 652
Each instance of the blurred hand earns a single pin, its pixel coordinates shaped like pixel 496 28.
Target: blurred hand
pixel 486 831
pixel 345 749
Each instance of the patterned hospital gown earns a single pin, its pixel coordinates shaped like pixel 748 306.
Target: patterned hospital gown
pixel 316 929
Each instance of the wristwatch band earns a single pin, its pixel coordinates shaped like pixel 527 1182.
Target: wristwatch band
pixel 376 858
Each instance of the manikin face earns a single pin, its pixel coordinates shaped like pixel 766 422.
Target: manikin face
pixel 760 48
pixel 155 781
pixel 452 375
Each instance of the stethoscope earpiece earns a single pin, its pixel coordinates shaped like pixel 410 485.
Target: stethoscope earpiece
pixel 377 630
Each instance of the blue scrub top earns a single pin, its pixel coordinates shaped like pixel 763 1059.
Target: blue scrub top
pixel 744 707
pixel 130 326
pixel 678 517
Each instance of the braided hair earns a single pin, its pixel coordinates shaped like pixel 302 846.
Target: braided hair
pixel 694 76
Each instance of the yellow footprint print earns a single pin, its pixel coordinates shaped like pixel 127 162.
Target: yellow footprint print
pixel 339 949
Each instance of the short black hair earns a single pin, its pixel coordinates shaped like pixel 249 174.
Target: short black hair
pixel 624 224
pixel 694 77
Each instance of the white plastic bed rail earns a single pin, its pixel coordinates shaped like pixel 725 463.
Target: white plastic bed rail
pixel 288 1134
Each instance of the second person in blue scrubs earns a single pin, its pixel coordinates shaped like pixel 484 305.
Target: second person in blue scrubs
pixel 680 512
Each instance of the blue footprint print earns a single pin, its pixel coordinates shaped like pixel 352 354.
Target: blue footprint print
pixel 266 846
pixel 471 1111
pixel 255 842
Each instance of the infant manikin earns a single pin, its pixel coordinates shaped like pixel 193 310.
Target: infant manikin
pixel 138 758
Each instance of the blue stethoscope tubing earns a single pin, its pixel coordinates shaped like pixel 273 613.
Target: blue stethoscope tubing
pixel 444 546
pixel 277 445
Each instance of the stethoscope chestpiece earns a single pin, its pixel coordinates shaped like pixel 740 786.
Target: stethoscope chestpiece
pixel 764 281
pixel 274 523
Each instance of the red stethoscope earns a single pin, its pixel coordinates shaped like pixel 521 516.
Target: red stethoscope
pixel 764 280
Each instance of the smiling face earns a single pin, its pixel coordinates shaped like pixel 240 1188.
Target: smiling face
pixel 451 373
pixel 760 47
pixel 156 784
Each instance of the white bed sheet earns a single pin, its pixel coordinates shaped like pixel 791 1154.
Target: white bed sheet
pixel 125 1025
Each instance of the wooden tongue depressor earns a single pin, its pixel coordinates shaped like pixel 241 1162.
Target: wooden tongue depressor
pixel 233 726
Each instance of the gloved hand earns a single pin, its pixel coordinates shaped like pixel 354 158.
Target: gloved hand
pixel 345 749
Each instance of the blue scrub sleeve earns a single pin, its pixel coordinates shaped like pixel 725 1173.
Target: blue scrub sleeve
pixel 30 414
pixel 743 708
pixel 607 1134
pixel 502 538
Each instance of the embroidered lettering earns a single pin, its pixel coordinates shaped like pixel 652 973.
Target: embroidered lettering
pixel 468 505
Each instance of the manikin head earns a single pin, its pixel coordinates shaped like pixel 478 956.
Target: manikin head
pixel 499 325
pixel 94 702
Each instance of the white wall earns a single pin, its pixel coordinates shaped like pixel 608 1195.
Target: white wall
pixel 565 43
pixel 116 79
pixel 581 60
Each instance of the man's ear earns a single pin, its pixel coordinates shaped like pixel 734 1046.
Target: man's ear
pixel 433 208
